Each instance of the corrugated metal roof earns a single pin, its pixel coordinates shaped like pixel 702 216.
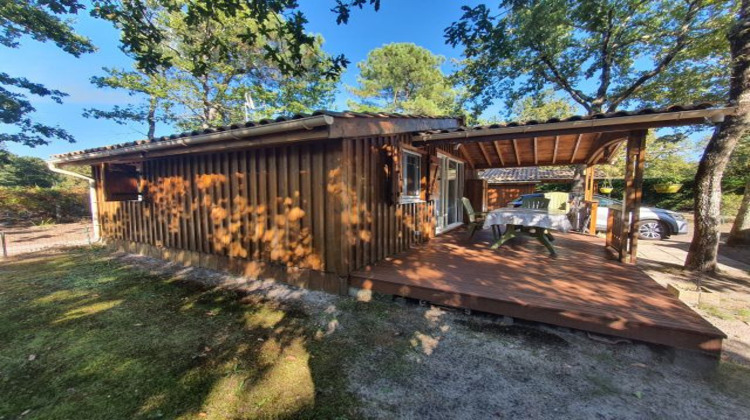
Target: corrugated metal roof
pixel 352 114
pixel 643 111
pixel 266 121
pixel 531 174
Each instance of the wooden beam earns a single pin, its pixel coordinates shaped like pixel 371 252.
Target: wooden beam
pixel 357 127
pixel 610 156
pixel 554 153
pixel 499 155
pixel 536 155
pixel 636 153
pixel 515 150
pixel 575 150
pixel 466 156
pixel 484 153
pixel 601 143
pixel 588 194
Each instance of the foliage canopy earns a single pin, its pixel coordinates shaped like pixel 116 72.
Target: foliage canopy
pixel 213 67
pixel 40 20
pixel 404 77
pixel 26 171
pixel 143 36
pixel 601 53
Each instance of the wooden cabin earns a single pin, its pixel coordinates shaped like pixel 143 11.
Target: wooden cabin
pixel 335 200
pixel 309 199
pixel 303 200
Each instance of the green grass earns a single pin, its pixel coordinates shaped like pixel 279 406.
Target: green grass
pixel 727 314
pixel 85 337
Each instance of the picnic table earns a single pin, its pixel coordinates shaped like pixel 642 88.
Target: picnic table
pixel 540 221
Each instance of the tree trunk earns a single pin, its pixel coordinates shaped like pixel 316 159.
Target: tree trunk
pixel 740 233
pixel 151 118
pixel 705 244
pixel 578 174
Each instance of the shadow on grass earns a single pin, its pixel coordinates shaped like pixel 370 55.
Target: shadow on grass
pixel 84 335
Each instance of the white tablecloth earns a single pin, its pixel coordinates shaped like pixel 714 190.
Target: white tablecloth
pixel 528 217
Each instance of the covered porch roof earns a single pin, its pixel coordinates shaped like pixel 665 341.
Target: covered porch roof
pixel 586 140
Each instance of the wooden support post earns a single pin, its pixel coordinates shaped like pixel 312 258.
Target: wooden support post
pixel 588 197
pixel 609 241
pixel 2 241
pixel 588 194
pixel 636 152
pixel 592 219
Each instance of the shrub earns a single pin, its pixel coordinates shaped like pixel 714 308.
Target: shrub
pixel 730 205
pixel 35 205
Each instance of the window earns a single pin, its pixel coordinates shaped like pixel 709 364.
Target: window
pixel 412 173
pixel 121 182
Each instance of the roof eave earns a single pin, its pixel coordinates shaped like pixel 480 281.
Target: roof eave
pixel 623 123
pixel 317 127
pixel 247 134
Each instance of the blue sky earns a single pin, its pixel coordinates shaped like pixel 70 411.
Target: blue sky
pixel 419 21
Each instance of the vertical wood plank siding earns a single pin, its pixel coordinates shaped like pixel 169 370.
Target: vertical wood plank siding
pixel 238 211
pixel 284 212
pixel 374 227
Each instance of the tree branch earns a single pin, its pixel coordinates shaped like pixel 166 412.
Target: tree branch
pixel 679 45
pixel 558 78
pixel 606 63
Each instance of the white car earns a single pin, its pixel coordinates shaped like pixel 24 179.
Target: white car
pixel 655 223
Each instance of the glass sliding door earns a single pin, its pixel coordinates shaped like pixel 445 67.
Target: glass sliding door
pixel 448 206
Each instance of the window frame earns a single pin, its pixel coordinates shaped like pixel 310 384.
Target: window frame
pixel 411 198
pixel 136 173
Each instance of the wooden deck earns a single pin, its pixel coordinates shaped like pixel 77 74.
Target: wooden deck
pixel 581 288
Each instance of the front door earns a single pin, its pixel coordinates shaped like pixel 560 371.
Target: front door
pixel 448 207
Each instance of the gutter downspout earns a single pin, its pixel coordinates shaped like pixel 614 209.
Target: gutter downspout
pixel 92 195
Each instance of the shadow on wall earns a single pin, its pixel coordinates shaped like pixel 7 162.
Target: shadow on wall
pixel 303 207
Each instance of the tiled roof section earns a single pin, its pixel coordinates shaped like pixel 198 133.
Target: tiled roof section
pixel 531 174
pixel 335 114
pixel 643 111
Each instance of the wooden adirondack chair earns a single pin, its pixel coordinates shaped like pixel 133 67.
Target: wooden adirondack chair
pixel 476 218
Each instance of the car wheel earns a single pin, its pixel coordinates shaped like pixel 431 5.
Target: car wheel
pixel 651 230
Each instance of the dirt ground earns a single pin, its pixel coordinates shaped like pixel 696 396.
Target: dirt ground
pixel 726 298
pixel 19 240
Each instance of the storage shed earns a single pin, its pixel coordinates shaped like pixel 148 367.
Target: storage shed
pixel 507 184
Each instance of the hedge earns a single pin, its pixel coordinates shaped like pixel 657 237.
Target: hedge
pixel 42 205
